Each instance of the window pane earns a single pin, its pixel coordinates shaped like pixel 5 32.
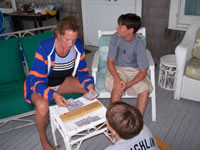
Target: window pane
pixel 192 7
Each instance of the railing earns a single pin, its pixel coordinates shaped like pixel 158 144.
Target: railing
pixel 24 33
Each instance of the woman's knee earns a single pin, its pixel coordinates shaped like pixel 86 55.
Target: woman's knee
pixel 42 105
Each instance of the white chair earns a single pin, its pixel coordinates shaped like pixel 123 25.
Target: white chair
pixel 99 65
pixel 186 87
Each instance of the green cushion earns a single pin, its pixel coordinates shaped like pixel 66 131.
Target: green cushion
pixel 11 66
pixel 15 104
pixel 103 55
pixel 11 80
pixel 193 68
pixel 100 80
pixel 104 42
pixel 74 96
pixel 196 48
pixel 12 100
pixel 30 44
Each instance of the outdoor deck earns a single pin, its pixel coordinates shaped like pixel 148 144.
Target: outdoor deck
pixel 178 124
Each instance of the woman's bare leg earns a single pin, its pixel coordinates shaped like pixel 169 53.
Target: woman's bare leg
pixel 71 85
pixel 41 119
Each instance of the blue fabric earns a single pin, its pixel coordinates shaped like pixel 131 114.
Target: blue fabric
pixel 2 23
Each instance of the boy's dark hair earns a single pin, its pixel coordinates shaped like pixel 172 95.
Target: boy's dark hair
pixel 125 119
pixel 67 23
pixel 130 21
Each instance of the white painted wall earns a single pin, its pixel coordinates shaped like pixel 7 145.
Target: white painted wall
pixel 103 14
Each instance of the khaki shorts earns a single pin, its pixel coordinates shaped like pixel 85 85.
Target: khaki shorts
pixel 127 74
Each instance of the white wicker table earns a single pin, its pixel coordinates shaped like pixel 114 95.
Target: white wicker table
pixel 167 72
pixel 72 134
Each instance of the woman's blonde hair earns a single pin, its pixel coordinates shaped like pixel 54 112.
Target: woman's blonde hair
pixel 67 23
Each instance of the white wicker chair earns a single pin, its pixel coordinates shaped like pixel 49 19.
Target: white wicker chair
pixel 96 72
pixel 186 87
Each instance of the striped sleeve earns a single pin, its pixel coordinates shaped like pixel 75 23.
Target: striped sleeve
pixel 82 71
pixel 38 74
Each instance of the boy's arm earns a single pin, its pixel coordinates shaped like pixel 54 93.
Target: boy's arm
pixel 140 76
pixel 142 61
pixel 117 80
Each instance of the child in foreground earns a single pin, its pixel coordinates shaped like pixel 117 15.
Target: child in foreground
pixel 125 122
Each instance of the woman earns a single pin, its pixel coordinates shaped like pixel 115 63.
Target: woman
pixel 59 67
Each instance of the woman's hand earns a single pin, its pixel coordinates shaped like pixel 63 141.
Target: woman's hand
pixel 92 90
pixel 60 100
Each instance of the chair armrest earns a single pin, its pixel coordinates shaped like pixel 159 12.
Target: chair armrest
pixel 183 51
pixel 95 63
pixel 183 54
pixel 152 79
pixel 151 69
pixel 150 59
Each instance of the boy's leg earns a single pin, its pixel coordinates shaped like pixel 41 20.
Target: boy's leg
pixel 41 119
pixel 115 96
pixel 140 89
pixel 142 101
pixel 109 82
